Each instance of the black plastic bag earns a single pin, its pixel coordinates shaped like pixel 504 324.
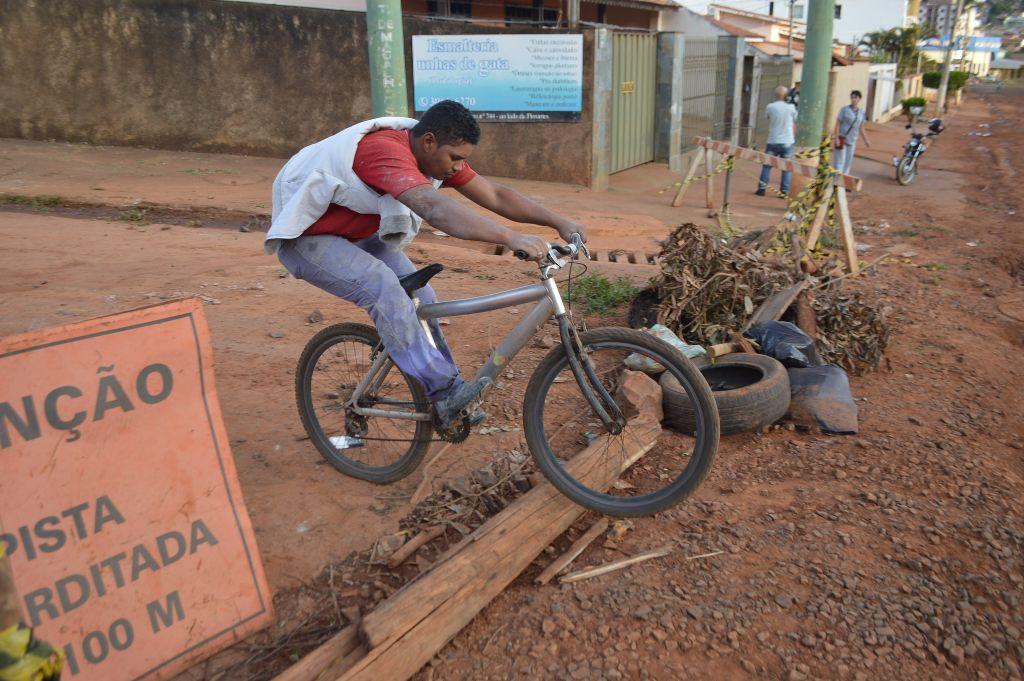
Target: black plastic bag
pixel 785 342
pixel 821 398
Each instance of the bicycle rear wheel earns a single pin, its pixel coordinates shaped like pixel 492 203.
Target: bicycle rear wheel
pixel 560 423
pixel 374 448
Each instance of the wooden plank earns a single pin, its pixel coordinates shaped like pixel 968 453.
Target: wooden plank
pixel 313 667
pixel 578 546
pixel 528 520
pixel 846 230
pixel 721 349
pixel 419 619
pixel 709 169
pixel 794 166
pixel 775 305
pixel 819 219
pixel 694 164
pixel 405 551
pixel 805 317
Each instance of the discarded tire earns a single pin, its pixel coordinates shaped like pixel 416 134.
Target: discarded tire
pixel 752 391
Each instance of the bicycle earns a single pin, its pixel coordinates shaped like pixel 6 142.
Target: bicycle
pixel 371 421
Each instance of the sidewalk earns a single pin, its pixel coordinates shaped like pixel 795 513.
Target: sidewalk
pixel 634 213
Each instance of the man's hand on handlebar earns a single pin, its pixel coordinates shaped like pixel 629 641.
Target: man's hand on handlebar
pixel 528 246
pixel 567 228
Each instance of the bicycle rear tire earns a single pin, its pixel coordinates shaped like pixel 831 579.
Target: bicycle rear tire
pixel 706 433
pixel 419 441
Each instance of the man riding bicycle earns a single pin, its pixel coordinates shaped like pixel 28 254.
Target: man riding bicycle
pixel 345 207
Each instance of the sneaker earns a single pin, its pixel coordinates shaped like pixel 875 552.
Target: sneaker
pixel 760 192
pixel 450 409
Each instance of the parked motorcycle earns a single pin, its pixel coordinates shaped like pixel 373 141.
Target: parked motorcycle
pixel 906 167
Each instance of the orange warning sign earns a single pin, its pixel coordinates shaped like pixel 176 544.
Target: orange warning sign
pixel 119 503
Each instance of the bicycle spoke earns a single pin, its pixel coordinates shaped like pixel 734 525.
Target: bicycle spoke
pixel 571 426
pixel 337 372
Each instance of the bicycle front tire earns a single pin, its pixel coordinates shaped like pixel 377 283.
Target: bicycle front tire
pixel 544 411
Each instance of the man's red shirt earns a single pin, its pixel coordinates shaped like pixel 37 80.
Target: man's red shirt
pixel 384 161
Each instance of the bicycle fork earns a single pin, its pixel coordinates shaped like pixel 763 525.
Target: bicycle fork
pixel 582 368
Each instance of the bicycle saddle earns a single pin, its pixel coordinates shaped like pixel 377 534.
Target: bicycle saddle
pixel 418 279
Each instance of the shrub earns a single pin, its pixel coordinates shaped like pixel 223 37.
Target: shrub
pixel 599 294
pixel 957 79
pixel 913 101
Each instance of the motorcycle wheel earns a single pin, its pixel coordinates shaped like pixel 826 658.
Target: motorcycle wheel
pixel 906 171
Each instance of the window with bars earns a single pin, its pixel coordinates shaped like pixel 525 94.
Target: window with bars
pixel 536 12
pixel 449 8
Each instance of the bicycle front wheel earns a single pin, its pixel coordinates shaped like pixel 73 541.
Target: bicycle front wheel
pixel 560 423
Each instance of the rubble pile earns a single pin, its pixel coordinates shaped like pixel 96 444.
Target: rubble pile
pixel 707 290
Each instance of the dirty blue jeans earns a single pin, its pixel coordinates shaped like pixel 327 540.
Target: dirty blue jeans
pixel 366 273
pixel 782 151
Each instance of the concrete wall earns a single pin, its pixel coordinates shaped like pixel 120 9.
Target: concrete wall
pixel 689 23
pixel 884 77
pixel 235 77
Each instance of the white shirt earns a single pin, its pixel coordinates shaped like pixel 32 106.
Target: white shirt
pixel 781 117
pixel 321 174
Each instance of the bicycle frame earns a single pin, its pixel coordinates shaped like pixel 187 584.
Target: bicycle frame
pixel 549 303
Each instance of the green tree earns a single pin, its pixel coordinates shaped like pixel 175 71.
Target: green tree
pixel 898 45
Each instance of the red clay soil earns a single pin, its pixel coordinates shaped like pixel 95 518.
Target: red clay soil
pixel 892 553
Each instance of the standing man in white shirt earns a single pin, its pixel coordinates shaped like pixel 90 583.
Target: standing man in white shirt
pixel 781 137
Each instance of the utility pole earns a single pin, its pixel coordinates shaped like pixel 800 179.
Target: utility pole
pixel 947 62
pixel 817 66
pixel 387 58
pixel 966 46
pixel 789 42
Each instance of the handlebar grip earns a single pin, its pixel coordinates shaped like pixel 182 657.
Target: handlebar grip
pixel 564 250
pixel 522 255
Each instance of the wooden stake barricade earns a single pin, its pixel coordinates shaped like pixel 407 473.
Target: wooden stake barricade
pixel 836 188
pixel 408 629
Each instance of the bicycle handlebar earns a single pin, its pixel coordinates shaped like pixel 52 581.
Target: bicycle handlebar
pixel 571 249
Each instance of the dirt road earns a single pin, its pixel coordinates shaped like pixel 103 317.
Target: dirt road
pixel 892 553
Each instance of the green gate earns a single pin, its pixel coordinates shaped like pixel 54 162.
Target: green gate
pixel 634 57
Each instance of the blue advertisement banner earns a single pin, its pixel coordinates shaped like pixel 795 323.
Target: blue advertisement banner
pixel 509 78
pixel 977 43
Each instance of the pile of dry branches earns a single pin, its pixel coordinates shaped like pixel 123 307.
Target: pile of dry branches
pixel 853 330
pixel 706 290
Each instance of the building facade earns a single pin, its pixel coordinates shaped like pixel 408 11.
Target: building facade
pixel 941 14
pixel 854 18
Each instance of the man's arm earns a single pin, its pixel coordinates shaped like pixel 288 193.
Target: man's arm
pixel 510 204
pixel 452 218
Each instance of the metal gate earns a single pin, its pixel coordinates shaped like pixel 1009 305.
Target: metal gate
pixel 705 88
pixel 774 72
pixel 634 57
